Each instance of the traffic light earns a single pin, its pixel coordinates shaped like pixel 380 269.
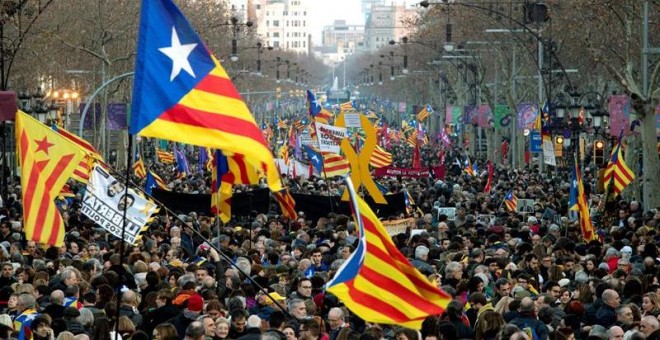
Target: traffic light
pixel 599 152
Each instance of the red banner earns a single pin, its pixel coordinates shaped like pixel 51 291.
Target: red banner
pixel 438 171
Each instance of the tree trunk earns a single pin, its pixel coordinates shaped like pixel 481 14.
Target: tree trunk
pixel 650 179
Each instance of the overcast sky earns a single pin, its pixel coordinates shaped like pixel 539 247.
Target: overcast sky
pixel 325 12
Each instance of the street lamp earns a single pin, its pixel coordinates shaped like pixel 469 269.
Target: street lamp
pixel 33 104
pixel 235 28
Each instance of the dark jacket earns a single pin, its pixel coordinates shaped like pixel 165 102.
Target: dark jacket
pixel 156 316
pixel 55 311
pixel 463 331
pixel 422 266
pixel 75 327
pixel 589 317
pixel 251 334
pixel 180 322
pixel 523 321
pixel 128 312
pixel 654 336
pixel 605 316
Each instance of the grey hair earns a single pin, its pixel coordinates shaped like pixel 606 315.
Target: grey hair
pixel 452 267
pixel 185 279
pixel 98 267
pixel 86 317
pixel 293 302
pixel 66 274
pixel 244 265
pixel 27 300
pixel 421 251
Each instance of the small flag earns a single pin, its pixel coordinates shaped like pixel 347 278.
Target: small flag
pixel 154 181
pixel 583 206
pixel 380 158
pixel 617 174
pixel 182 163
pixel 346 106
pixel 287 204
pixel 164 156
pixel 138 169
pixel 511 201
pixel 424 113
pixel 489 183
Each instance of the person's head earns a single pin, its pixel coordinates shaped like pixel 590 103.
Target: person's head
pixel 611 298
pixel 195 331
pixel 614 333
pixel 422 253
pixel 335 317
pixel 290 332
pixel 650 302
pixel 41 326
pixel 165 331
pixel 221 328
pixel 297 308
pixel 649 324
pixel 305 287
pixel 532 262
pixel 503 286
pixel 553 288
pixel 126 201
pixel 316 257
pixel 26 301
pixel 200 274
pixel 70 277
pixel 209 325
pixel 624 315
pixel 129 298
pixel 238 319
pixel 7 270
pixel 115 188
pixel 454 270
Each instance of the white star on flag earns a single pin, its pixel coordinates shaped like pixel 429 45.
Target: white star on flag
pixel 179 55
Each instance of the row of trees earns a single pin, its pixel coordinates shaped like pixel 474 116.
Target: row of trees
pixel 602 39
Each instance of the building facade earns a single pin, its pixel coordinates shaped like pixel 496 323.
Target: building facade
pixel 386 23
pixel 348 39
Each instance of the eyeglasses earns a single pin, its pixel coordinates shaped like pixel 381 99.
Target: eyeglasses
pixel 306 287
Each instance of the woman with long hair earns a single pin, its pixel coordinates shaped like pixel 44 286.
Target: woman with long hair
pixel 651 304
pixel 165 331
pixel 489 324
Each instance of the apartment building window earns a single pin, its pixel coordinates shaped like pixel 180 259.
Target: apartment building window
pixel 276 23
pixel 267 13
pixel 303 23
pixel 276 44
pixel 287 44
pixel 258 6
pixel 285 13
pixel 304 44
pixel 276 34
pixel 267 23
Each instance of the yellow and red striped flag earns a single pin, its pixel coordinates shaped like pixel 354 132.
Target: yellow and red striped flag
pixel 47 161
pixel 617 174
pixel 164 156
pixel 380 158
pixel 196 102
pixel 347 106
pixel 139 170
pixel 582 205
pixel 227 171
pixel 378 283
pixel 335 164
pixel 287 204
pixel 84 168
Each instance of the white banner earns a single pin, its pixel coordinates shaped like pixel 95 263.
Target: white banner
pixel 549 152
pixel 306 139
pixel 352 120
pixel 105 201
pixel 330 137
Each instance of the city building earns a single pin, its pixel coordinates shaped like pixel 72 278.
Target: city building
pixel 281 24
pixel 388 22
pixel 348 39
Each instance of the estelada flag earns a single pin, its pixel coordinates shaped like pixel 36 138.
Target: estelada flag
pixel 378 283
pixel 182 93
pixel 47 161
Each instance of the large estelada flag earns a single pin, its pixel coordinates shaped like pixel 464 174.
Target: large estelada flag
pixel 182 93
pixel 378 283
pixel 47 161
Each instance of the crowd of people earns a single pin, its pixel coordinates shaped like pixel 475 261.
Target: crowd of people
pixel 511 274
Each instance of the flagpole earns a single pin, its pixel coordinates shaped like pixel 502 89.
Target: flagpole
pixel 123 228
pixel 220 252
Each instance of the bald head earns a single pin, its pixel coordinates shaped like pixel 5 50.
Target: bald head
pixel 615 332
pixel 611 298
pixel 128 298
pixel 57 297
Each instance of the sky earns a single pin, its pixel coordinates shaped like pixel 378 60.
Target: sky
pixel 325 12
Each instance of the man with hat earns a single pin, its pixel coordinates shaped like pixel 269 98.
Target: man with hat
pixel 70 319
pixel 188 314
